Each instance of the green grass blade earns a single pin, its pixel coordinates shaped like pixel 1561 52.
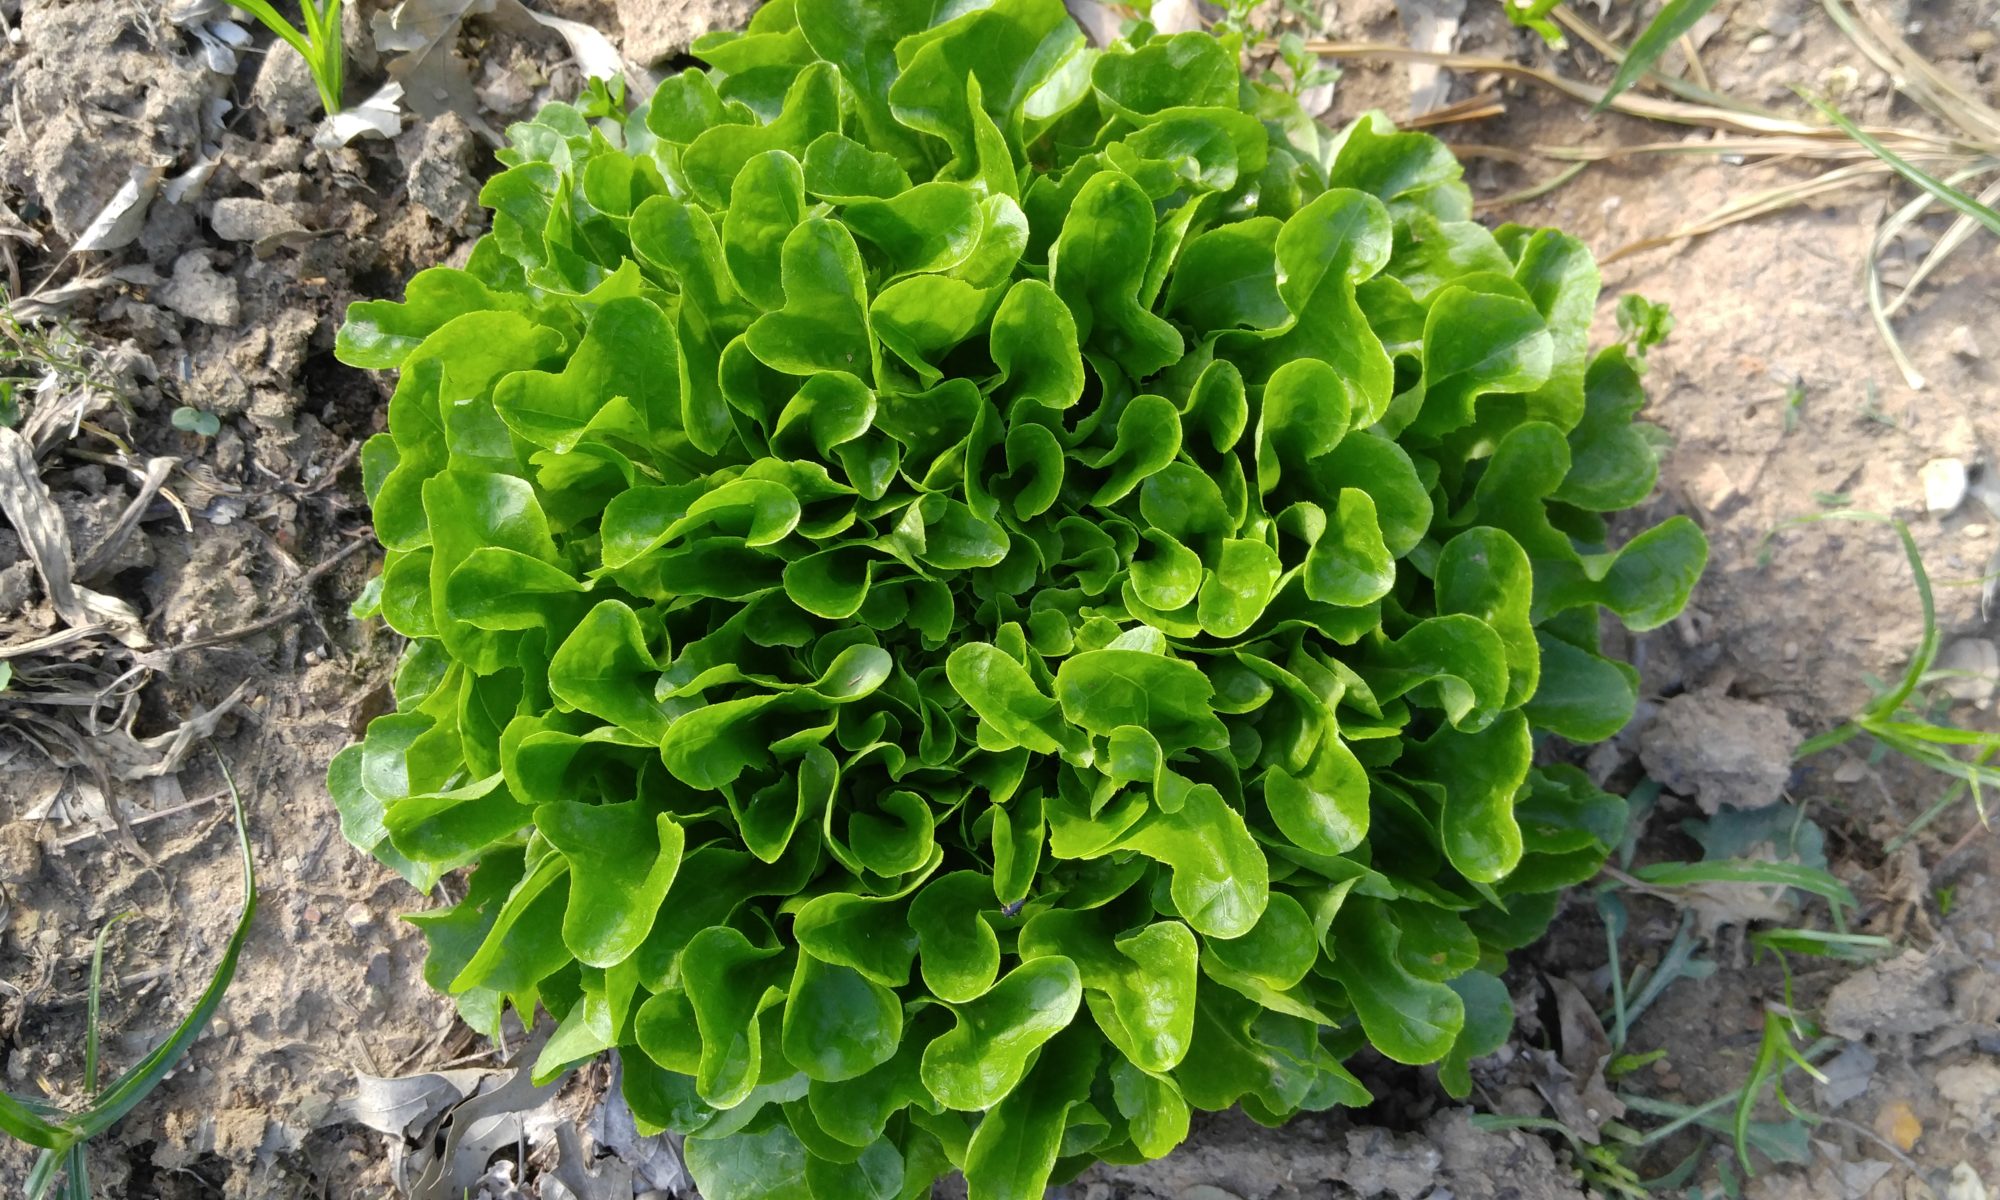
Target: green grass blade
pixel 24 1124
pixel 1839 736
pixel 323 31
pixel 1823 943
pixel 96 990
pixel 145 1075
pixel 1935 735
pixel 1961 228
pixel 43 1175
pixel 319 43
pixel 1887 705
pixel 76 1173
pixel 1793 875
pixel 1776 1055
pixel 1967 781
pixel 1927 644
pixel 1975 774
pixel 270 19
pixel 1677 961
pixel 1674 20
pixel 74 1167
pixel 1945 193
pixel 1502 1122
pixel 40 1108
pixel 1885 717
pixel 333 50
pixel 1620 1026
pixel 1684 1116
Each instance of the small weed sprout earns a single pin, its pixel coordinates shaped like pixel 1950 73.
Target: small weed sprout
pixel 319 42
pixel 189 419
pixel 64 1137
pixel 1897 720
pixel 38 358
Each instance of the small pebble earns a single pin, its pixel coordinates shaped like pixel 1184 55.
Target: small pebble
pixel 1965 1184
pixel 1763 43
pixel 312 916
pixel 358 917
pixel 1898 1123
pixel 1972 669
pixel 1945 482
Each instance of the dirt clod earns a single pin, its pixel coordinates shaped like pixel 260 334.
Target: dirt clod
pixel 248 219
pixel 1903 996
pixel 1971 667
pixel 1325 1159
pixel 71 146
pixel 284 91
pixel 211 593
pixel 656 30
pixel 201 293
pixel 17 586
pixel 1973 1090
pixel 439 159
pixel 20 853
pixel 1721 751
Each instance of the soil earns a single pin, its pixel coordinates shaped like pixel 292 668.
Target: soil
pixel 1774 393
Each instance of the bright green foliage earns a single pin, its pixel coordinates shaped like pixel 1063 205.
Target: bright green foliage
pixel 969 596
pixel 318 39
pixel 1670 24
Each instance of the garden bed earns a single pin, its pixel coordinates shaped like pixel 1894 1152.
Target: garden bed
pixel 1775 393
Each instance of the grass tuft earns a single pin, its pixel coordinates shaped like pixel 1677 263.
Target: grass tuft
pixel 64 1138
pixel 319 43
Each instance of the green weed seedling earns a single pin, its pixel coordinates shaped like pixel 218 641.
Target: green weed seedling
pixel 64 1137
pixel 319 43
pixel 36 354
pixel 197 421
pixel 1668 26
pixel 1795 407
pixel 1732 843
pixel 1602 1165
pixel 1898 720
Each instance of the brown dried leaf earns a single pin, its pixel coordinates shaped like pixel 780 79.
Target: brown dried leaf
pixel 45 535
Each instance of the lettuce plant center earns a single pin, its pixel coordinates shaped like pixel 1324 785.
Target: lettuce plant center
pixel 969 595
